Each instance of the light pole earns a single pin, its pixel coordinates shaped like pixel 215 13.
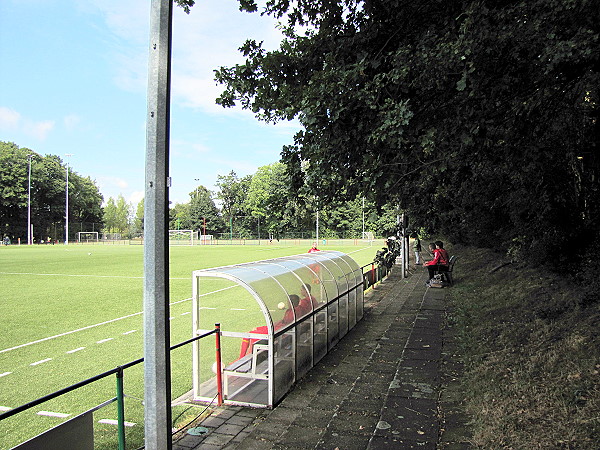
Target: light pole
pixel 67 203
pixel 317 232
pixel 363 214
pixel 29 237
pixel 196 208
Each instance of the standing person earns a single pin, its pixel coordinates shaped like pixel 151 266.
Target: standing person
pixel 417 248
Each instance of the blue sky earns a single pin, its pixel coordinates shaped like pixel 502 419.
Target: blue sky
pixel 74 77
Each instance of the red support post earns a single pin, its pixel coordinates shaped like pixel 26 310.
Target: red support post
pixel 219 365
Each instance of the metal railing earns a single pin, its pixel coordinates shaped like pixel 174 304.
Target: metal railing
pixel 120 397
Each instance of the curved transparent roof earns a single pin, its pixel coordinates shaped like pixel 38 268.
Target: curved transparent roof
pixel 291 287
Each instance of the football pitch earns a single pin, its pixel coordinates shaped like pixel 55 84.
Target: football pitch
pixel 72 312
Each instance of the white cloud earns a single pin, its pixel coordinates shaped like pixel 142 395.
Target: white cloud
pixel 128 24
pixel 9 118
pixel 189 150
pixel 71 121
pixel 12 120
pixel 126 20
pixel 135 198
pixel 200 46
pixel 239 166
pixel 112 182
pixel 39 130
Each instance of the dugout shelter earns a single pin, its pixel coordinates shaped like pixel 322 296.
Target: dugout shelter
pixel 278 318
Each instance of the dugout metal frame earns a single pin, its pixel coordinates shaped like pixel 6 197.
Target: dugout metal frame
pixel 288 340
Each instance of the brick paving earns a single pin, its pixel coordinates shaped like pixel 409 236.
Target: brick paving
pixel 389 383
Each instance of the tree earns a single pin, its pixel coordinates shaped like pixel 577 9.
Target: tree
pixel 267 196
pixel 200 209
pixel 179 217
pixel 471 116
pixel 13 189
pixel 122 215
pixel 138 220
pixel 48 194
pixel 85 200
pixel 117 216
pixel 232 193
pixel 110 216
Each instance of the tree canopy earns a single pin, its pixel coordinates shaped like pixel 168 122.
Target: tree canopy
pixel 478 118
pixel 48 194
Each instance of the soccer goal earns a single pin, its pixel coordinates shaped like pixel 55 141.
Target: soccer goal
pixel 181 237
pixel 206 239
pixel 85 237
pixel 368 236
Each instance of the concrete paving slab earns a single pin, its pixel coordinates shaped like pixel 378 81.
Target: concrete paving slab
pixel 343 441
pixel 394 442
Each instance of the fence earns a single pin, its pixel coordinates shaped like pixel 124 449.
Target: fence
pixel 371 276
pixel 323 243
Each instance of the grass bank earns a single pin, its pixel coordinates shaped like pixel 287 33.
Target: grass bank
pixel 531 345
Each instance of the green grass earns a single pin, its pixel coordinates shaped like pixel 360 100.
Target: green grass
pixel 532 355
pixel 51 290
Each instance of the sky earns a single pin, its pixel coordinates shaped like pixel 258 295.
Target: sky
pixel 73 81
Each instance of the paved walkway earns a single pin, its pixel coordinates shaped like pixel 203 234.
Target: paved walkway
pixel 389 383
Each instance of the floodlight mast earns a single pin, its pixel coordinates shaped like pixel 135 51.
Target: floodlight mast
pixel 363 217
pixel 67 203
pixel 29 237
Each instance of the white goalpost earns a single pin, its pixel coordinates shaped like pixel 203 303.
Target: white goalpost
pixel 181 237
pixel 368 236
pixel 206 239
pixel 87 236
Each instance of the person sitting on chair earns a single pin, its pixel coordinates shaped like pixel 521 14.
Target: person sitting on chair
pixel 439 263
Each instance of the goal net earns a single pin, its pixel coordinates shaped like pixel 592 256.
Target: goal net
pixel 87 236
pixel 206 239
pixel 368 236
pixel 181 237
pixel 111 236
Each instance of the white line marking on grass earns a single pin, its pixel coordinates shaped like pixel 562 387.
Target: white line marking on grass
pixel 238 309
pixel 41 362
pixel 52 414
pixel 70 332
pixel 206 307
pixel 183 314
pixel 76 350
pixel 75 275
pixel 81 275
pixel 129 332
pixel 104 340
pixel 359 250
pixel 4 374
pixel 114 422
pixel 5 408
pixel 102 323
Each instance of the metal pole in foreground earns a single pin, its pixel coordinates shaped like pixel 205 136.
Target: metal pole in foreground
pixel 157 367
